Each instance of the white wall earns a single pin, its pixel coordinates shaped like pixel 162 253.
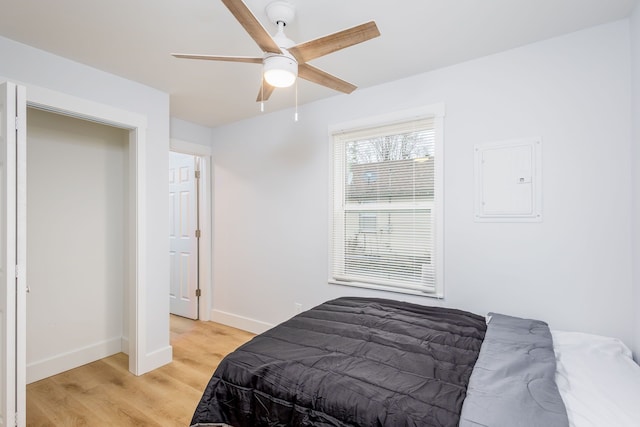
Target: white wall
pixel 22 63
pixel 77 188
pixel 190 132
pixel 635 167
pixel 573 269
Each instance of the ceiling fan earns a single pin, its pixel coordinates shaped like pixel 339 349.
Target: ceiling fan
pixel 283 60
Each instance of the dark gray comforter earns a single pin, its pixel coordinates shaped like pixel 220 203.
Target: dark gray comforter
pixel 374 362
pixel 350 362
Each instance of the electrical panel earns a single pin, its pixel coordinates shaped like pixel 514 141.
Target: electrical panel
pixel 508 177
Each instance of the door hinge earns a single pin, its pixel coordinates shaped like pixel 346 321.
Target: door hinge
pixel 198 292
pixel 20 123
pixel 17 272
pixel 197 174
pixel 197 234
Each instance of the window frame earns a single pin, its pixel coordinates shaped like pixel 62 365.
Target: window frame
pixel 436 112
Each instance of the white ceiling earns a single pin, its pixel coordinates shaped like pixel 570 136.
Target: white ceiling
pixel 133 39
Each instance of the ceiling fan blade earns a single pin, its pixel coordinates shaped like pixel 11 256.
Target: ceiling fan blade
pixel 219 58
pixel 316 75
pixel 333 42
pixel 265 91
pixel 252 26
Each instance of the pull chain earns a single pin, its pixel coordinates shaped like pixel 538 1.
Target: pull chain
pixel 295 116
pixel 262 95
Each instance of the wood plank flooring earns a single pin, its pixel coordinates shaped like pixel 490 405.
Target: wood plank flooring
pixel 104 393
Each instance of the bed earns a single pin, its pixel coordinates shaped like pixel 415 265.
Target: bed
pixel 377 362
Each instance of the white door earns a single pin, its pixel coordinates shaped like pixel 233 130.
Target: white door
pixel 12 254
pixel 183 234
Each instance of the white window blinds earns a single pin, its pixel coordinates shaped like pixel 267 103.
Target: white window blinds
pixel 384 198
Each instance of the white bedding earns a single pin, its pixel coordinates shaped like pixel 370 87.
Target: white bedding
pixel 598 380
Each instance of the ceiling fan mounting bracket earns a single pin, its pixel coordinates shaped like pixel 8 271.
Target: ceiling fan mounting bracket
pixel 280 11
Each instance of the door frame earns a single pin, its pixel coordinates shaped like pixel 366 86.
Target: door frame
pixel 206 221
pixel 13 405
pixel 136 124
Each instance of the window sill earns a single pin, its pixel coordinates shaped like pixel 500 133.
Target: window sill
pixel 437 295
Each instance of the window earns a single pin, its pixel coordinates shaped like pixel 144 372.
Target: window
pixel 386 200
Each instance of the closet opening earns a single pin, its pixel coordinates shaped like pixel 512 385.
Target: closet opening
pixel 78 234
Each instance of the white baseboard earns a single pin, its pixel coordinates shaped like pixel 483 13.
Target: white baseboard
pixel 240 322
pixel 156 359
pixel 125 345
pixel 72 359
pixel 152 360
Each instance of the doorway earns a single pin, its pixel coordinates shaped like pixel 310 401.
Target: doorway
pixel 77 199
pixel 13 218
pixel 190 229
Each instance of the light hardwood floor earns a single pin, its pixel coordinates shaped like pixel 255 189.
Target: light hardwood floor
pixel 104 393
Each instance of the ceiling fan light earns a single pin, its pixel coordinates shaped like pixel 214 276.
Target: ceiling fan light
pixel 280 70
pixel 279 78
